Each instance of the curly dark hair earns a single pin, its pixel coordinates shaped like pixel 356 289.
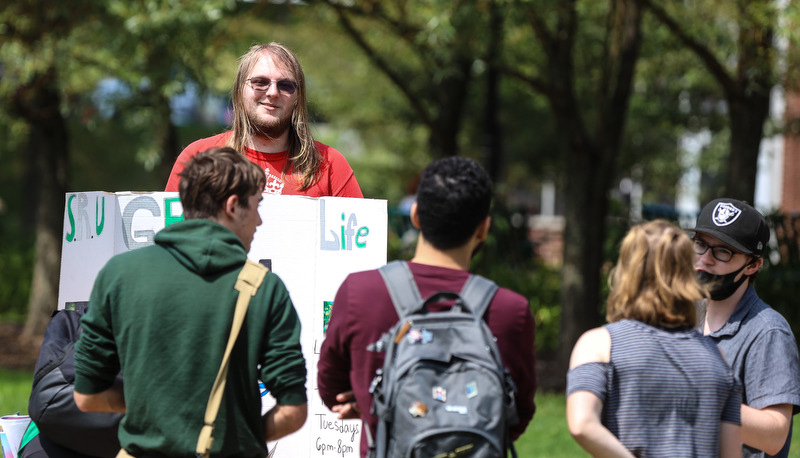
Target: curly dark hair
pixel 453 198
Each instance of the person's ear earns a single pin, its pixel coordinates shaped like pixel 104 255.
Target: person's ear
pixel 231 206
pixel 414 215
pixel 753 266
pixel 482 232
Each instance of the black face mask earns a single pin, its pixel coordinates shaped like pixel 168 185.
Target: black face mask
pixel 721 287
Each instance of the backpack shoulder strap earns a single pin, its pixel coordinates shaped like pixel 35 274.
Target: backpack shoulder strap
pixel 250 277
pixel 247 283
pixel 477 293
pixel 402 287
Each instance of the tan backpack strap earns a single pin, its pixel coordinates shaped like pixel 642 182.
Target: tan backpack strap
pixel 250 278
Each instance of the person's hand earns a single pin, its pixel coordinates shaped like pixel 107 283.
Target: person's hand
pixel 347 407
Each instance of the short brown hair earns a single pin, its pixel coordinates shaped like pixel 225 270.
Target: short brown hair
pixel 654 280
pixel 214 175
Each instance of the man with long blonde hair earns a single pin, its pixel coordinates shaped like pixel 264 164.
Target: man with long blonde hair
pixel 271 128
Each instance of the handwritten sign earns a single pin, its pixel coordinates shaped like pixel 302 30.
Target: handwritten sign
pixel 311 243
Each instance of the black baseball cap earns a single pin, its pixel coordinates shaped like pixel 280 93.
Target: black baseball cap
pixel 736 224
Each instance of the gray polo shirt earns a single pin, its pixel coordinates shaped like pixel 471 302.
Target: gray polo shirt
pixel 762 351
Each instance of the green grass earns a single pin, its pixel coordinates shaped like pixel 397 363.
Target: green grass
pixel 546 436
pixel 15 387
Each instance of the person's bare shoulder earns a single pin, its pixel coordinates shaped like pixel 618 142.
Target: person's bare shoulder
pixel 592 347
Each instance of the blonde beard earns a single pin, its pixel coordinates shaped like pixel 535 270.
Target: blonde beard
pixel 271 129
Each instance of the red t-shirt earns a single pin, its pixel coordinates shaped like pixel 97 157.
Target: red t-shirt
pixel 363 311
pixel 336 176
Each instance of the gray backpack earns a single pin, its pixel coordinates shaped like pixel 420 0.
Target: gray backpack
pixel 443 391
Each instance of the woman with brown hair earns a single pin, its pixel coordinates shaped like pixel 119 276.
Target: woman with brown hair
pixel 648 383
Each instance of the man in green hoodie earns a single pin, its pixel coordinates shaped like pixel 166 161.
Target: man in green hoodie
pixel 162 315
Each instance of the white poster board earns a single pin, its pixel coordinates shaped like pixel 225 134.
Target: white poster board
pixel 311 243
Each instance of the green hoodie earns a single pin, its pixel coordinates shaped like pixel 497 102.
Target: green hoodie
pixel 162 314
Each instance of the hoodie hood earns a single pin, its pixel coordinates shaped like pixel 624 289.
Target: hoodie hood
pixel 202 245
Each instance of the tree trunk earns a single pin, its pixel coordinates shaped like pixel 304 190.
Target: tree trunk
pixel 167 140
pixel 39 103
pixel 748 99
pixel 449 112
pixel 590 163
pixel 747 117
pixel 493 144
pixel 586 206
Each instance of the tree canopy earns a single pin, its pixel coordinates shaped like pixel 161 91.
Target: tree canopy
pixel 577 92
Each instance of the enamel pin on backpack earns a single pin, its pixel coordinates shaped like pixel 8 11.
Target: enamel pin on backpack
pixel 443 390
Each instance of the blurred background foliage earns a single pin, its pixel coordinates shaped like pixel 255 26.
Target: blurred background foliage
pixel 392 85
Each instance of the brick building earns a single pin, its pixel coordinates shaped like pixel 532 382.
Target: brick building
pixel 790 197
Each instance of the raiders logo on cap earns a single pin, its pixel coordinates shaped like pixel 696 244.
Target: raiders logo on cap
pixel 725 213
pixel 736 224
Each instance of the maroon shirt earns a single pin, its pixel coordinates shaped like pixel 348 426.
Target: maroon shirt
pixel 363 311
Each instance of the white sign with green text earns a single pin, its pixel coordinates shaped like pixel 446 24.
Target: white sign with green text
pixel 311 243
